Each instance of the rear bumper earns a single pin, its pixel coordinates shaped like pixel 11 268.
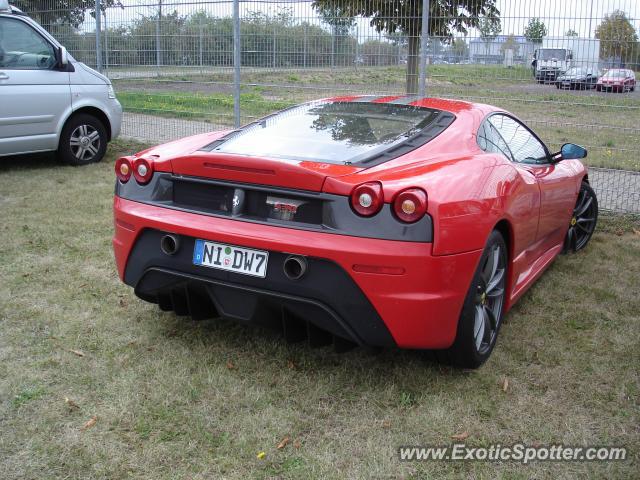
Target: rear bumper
pixel 323 304
pixel 416 307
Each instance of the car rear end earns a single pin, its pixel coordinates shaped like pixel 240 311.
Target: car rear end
pixel 206 227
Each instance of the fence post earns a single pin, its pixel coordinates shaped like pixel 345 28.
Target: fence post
pixel 98 37
pixel 333 46
pixel 357 56
pixel 200 46
pixel 590 20
pixel 158 46
pixel 304 47
pixel 424 36
pixel 106 41
pixel 236 63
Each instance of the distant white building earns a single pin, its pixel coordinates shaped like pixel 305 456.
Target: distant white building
pixel 492 51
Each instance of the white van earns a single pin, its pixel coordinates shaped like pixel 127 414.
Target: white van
pixel 48 100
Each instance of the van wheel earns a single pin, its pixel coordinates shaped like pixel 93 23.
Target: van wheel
pixel 83 140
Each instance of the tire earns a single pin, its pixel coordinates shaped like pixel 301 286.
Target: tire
pixel 83 140
pixel 583 220
pixel 483 307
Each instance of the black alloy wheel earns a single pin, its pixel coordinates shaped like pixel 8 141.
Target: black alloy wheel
pixel 583 220
pixel 482 311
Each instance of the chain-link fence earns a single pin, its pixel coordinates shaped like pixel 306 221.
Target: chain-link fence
pixel 180 68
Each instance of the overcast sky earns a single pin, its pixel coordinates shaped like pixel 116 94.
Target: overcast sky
pixel 559 16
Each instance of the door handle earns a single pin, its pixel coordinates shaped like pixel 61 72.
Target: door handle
pixel 4 76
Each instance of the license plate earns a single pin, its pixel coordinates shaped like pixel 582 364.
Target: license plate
pixel 231 258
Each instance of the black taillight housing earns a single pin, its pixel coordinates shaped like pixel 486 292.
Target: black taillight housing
pixel 410 205
pixel 123 169
pixel 142 170
pixel 367 199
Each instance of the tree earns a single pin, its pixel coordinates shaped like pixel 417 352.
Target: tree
pixel 571 33
pixel 397 38
pixel 172 43
pixel 445 18
pixel 617 36
pixel 50 13
pixel 510 44
pixel 459 48
pixel 378 53
pixel 489 29
pixel 341 23
pixel 535 30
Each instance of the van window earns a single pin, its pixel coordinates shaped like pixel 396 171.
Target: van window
pixel 22 48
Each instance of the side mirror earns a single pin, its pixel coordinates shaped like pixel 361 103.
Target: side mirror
pixel 570 151
pixel 63 57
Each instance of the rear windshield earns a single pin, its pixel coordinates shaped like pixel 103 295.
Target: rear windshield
pixel 332 132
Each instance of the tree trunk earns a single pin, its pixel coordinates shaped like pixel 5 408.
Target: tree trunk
pixel 412 64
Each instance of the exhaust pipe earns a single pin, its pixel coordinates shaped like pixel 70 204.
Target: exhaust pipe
pixel 169 244
pixel 295 267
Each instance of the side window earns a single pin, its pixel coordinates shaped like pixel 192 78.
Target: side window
pixel 524 147
pixel 22 48
pixel 490 140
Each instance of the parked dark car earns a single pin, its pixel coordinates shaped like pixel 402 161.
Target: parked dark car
pixel 582 78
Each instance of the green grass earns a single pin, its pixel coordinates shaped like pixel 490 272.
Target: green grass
pixel 197 106
pixel 174 398
pixel 607 124
pixel 26 395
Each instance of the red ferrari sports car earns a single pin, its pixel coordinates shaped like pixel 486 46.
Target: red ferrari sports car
pixel 381 221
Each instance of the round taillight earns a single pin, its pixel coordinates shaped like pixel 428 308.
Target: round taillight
pixel 410 205
pixel 142 170
pixel 367 199
pixel 123 169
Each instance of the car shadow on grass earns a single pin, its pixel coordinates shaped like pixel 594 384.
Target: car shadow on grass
pixel 32 161
pixel 372 368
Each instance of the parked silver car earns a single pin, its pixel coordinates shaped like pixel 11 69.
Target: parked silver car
pixel 48 100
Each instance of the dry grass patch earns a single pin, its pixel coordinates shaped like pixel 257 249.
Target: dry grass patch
pixel 173 398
